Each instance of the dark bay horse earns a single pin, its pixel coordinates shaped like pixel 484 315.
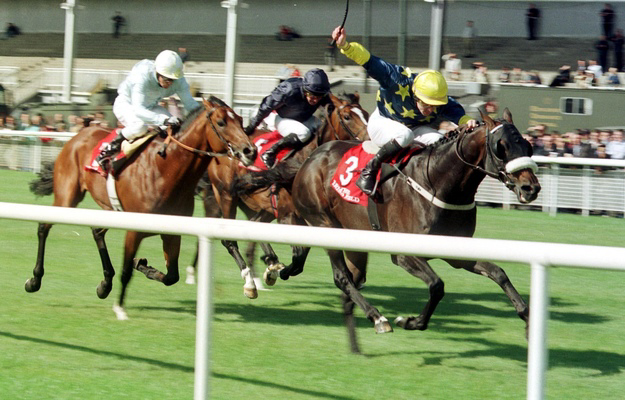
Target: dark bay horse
pixel 343 119
pixel 450 172
pixel 150 183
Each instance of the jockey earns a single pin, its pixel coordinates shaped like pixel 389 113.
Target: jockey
pixel 138 95
pixel 295 100
pixel 406 104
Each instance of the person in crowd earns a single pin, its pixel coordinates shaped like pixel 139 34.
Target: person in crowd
pixel 616 146
pixel 534 78
pixel 12 30
pixel 517 75
pixel 468 37
pixel 563 77
pixel 608 16
pixel 603 47
pixel 617 44
pixel 184 54
pixel 480 72
pixel 295 101
pixel 330 55
pixel 453 66
pixel 533 16
pixel 595 68
pixel 118 22
pixel 612 78
pixel 561 146
pixel 505 75
pixel 407 105
pixel 138 95
pixel 9 123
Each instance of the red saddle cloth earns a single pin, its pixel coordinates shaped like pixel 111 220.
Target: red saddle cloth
pixel 93 165
pixel 349 169
pixel 263 143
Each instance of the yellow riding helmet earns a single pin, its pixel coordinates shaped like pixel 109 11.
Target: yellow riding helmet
pixel 430 87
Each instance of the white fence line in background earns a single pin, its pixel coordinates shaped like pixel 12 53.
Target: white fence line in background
pixel 567 182
pixel 542 256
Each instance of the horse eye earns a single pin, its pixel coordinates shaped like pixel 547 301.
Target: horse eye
pixel 347 117
pixel 221 123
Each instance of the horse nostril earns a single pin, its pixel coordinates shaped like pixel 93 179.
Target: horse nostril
pixel 249 151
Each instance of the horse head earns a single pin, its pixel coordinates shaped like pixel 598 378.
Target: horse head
pixel 346 119
pixel 225 133
pixel 508 157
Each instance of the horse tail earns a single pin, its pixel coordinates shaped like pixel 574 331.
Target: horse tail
pixel 44 184
pixel 281 175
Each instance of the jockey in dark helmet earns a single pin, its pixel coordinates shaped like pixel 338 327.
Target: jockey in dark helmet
pixel 295 101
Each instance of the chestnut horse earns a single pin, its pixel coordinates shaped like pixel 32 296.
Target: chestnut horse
pixel 150 183
pixel 344 119
pixel 434 193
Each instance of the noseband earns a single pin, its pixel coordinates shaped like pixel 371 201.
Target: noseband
pixel 504 170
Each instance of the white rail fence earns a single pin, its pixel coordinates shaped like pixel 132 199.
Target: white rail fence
pixel 585 184
pixel 542 256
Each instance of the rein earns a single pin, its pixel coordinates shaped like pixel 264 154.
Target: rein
pixel 351 133
pixel 171 138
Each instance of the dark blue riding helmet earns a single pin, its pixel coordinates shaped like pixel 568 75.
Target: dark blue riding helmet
pixel 316 82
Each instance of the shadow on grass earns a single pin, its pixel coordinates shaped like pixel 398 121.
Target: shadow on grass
pixel 168 365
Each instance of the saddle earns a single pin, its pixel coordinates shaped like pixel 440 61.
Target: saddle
pixel 119 162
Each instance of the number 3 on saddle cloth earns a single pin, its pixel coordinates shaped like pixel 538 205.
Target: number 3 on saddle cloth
pixel 119 161
pixel 353 162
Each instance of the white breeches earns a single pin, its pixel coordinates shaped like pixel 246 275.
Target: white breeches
pixel 303 130
pixel 382 130
pixel 134 127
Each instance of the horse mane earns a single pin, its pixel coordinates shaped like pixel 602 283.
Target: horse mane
pixel 193 114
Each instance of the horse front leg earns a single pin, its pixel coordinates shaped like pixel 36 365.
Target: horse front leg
pixel 498 275
pixel 105 286
pixel 34 284
pixel 297 262
pixel 131 245
pixel 249 288
pixel 421 269
pixel 171 249
pixel 344 281
pixel 357 264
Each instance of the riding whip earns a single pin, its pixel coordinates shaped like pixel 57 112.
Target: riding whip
pixel 342 24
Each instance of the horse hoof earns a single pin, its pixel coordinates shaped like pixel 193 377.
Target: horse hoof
pixel 382 326
pixel 270 276
pixel 120 313
pixel 410 324
pixel 190 276
pixel 103 290
pixel 250 293
pixel 32 286
pixel 259 284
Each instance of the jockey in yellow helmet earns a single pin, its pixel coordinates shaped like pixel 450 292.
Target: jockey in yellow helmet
pixel 407 105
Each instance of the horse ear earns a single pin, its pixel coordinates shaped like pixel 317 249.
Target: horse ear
pixel 486 118
pixel 356 98
pixel 507 115
pixel 206 103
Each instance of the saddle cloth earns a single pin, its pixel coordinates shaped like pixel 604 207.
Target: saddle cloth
pixel 263 143
pixel 351 165
pixel 119 160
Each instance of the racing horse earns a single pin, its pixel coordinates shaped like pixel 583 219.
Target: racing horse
pixel 153 182
pixel 433 193
pixel 343 119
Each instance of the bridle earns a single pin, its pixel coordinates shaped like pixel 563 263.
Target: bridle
pixel 504 170
pixel 347 129
pixel 230 153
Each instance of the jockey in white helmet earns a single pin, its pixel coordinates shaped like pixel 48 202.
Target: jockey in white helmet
pixel 136 105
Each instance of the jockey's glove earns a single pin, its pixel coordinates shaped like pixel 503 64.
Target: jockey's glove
pixel 173 121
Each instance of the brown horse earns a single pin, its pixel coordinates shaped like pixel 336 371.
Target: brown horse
pixel 434 193
pixel 344 119
pixel 150 183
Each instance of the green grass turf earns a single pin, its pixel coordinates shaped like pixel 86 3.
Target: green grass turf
pixel 64 343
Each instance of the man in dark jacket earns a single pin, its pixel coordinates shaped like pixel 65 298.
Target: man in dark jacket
pixel 295 101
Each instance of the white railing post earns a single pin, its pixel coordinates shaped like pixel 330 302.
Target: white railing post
pixel 203 317
pixel 539 314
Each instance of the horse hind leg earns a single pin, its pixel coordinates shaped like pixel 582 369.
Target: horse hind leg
pixel 105 286
pixel 249 288
pixel 131 245
pixel 421 269
pixel 34 284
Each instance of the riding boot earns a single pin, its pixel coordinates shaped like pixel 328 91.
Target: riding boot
pixel 291 141
pixel 368 176
pixel 110 151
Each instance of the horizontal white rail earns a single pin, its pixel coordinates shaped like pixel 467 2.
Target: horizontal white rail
pixel 541 256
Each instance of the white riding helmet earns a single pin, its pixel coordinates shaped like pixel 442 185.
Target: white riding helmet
pixel 168 64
